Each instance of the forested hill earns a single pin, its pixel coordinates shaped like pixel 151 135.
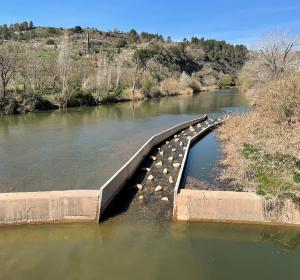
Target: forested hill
pixel 113 62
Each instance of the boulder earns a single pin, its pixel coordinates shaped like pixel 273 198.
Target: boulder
pixel 164 199
pixel 165 171
pixel 153 158
pixel 139 187
pixel 150 178
pixel 171 180
pixel 141 197
pixel 158 189
pixel 158 164
pixel 191 129
pixel 176 164
pixel 170 158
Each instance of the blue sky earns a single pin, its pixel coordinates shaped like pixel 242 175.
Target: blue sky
pixel 234 21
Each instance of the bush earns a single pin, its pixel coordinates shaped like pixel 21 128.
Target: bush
pixel 8 105
pixel 81 99
pixel 188 82
pixel 148 84
pixel 226 81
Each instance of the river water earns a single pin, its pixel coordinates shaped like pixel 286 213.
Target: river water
pixel 84 147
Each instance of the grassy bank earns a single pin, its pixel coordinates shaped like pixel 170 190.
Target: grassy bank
pixel 262 147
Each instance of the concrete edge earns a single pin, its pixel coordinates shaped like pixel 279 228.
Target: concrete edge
pixel 235 207
pixel 48 207
pixel 183 165
pixel 121 177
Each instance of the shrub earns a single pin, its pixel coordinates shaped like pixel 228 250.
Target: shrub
pixel 148 83
pixel 226 81
pixel 188 82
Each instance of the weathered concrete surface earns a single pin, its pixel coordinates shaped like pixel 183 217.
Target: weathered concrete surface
pixel 47 207
pixel 113 186
pixel 240 207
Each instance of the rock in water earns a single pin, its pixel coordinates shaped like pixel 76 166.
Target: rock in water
pixel 158 164
pixel 171 180
pixel 146 169
pixel 150 178
pixel 176 164
pixel 192 129
pixel 158 189
pixel 164 199
pixel 139 187
pixel 165 171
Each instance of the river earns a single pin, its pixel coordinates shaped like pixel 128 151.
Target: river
pixel 83 147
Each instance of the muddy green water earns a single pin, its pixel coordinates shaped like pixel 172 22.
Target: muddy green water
pixel 81 149
pixel 149 251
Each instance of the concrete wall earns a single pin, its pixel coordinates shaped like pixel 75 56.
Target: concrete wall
pixel 47 207
pixel 183 164
pixel 239 207
pixel 113 186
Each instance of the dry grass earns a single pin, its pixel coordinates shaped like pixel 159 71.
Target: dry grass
pixel 262 147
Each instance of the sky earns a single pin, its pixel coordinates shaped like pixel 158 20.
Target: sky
pixel 231 20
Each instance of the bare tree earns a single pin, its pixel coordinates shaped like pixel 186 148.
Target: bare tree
pixel 64 65
pixel 8 65
pixel 275 55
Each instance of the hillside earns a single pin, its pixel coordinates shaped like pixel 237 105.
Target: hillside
pixel 57 67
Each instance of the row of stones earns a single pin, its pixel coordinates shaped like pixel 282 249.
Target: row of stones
pixel 159 164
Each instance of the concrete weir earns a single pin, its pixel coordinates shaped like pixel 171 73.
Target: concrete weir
pixel 78 205
pixel 49 207
pixel 121 178
pixel 229 206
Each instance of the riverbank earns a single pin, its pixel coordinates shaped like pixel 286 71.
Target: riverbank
pixel 37 103
pixel 262 147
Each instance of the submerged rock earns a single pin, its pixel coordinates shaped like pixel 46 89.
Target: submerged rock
pixel 146 169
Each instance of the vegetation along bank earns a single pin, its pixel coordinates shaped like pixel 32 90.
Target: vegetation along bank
pixel 262 147
pixel 46 68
